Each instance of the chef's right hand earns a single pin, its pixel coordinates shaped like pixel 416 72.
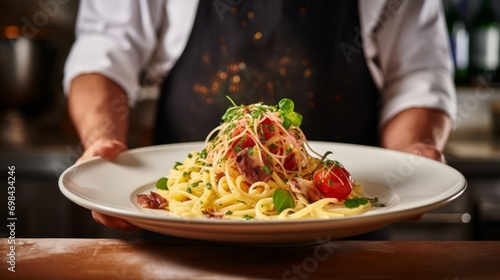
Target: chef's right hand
pixel 108 149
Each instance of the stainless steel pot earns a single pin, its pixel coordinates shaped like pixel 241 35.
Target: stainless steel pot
pixel 27 71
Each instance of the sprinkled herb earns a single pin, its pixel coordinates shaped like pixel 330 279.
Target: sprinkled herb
pixel 229 212
pixel 177 164
pixel 374 201
pixel 231 112
pixel 203 154
pixel 237 148
pixel 257 114
pixel 266 169
pixel 208 185
pixel 247 217
pixel 285 108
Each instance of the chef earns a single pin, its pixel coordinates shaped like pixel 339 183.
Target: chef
pixel 365 72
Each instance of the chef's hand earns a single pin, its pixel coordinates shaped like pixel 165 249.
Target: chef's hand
pixel 108 149
pixel 428 151
pixel 425 150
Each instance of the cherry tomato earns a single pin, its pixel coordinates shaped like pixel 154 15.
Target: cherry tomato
pixel 291 161
pixel 243 142
pixel 265 130
pixel 333 180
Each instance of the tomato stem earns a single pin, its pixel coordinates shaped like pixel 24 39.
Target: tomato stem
pixel 321 162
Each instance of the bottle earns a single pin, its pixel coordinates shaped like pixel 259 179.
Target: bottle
pixel 459 39
pixel 485 43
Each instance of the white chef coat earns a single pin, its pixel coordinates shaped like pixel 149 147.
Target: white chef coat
pixel 404 41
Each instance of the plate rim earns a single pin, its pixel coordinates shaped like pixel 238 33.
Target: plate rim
pixel 399 214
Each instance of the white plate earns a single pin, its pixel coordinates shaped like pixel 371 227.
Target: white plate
pixel 408 185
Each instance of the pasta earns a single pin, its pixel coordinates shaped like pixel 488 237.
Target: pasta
pixel 258 165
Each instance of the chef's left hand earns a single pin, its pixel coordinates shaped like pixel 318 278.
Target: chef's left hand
pixel 109 150
pixel 425 150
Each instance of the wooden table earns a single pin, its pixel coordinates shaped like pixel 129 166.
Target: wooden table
pixel 187 259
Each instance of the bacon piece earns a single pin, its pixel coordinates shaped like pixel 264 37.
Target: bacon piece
pixel 252 168
pixel 218 176
pixel 153 200
pixel 212 213
pixel 306 188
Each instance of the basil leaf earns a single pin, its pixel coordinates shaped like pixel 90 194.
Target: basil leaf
pixel 161 184
pixel 355 202
pixel 286 122
pixel 295 118
pixel 288 116
pixel 286 105
pixel 282 200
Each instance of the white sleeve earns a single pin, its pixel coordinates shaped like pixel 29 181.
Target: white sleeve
pixel 413 57
pixel 115 38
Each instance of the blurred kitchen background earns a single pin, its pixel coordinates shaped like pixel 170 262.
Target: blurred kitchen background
pixel 37 137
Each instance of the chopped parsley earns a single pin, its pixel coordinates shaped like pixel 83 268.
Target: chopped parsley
pixel 285 109
pixel 374 201
pixel 177 164
pixel 237 148
pixel 266 169
pixel 203 154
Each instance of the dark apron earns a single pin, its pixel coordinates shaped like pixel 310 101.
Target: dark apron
pixel 263 50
